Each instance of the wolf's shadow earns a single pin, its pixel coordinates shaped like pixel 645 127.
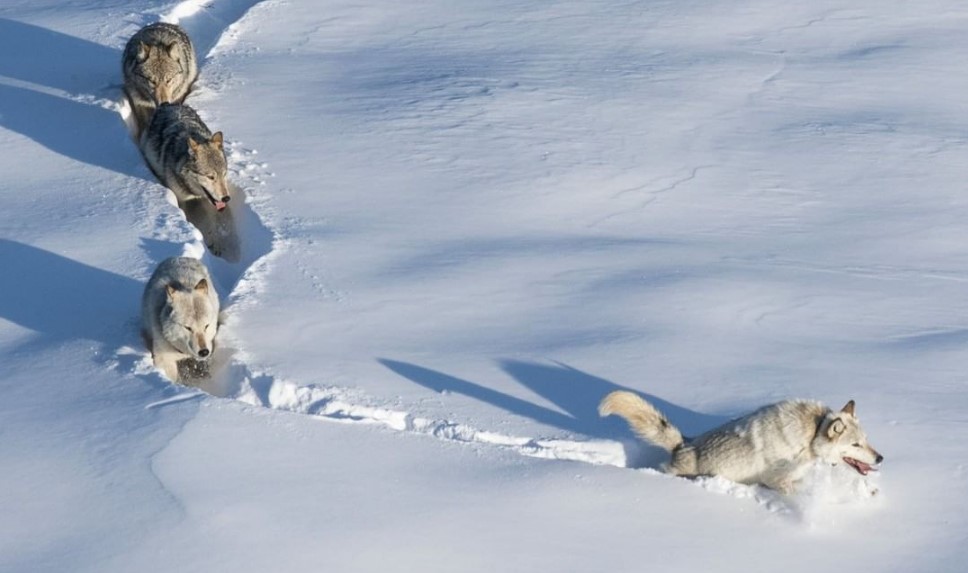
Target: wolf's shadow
pixel 30 102
pixel 56 60
pixel 62 299
pixel 575 395
pixel 84 132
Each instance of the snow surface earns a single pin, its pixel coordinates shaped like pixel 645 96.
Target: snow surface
pixel 465 223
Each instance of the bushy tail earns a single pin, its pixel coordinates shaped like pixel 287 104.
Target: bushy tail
pixel 647 422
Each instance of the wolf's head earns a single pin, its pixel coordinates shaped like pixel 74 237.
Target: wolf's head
pixel 164 68
pixel 840 439
pixel 191 319
pixel 207 169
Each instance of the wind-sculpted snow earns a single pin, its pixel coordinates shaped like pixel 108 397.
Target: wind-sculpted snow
pixel 460 225
pixel 233 379
pixel 217 27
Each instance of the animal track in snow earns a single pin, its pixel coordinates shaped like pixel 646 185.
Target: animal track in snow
pixel 207 24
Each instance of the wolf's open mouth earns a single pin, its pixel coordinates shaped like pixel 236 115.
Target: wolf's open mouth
pixel 219 204
pixel 861 467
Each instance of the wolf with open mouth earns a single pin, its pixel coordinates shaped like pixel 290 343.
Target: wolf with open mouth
pixel 186 156
pixel 773 446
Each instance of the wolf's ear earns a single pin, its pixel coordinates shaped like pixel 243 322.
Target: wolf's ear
pixel 192 146
pixel 170 49
pixel 202 286
pixel 144 50
pixel 849 408
pixel 835 428
pixel 217 139
pixel 170 290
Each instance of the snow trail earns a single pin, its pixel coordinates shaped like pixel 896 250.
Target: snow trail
pixel 233 379
pixel 212 27
pixel 206 23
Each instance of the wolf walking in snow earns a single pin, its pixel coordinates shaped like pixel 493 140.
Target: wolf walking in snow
pixel 186 156
pixel 180 316
pixel 158 66
pixel 773 446
pixel 190 160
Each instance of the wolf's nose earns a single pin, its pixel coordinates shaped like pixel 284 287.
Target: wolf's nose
pixel 879 458
pixel 226 199
pixel 203 352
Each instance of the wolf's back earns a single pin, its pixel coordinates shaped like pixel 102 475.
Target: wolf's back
pixel 643 418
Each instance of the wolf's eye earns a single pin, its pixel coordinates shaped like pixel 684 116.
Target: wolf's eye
pixel 211 178
pixel 856 444
pixel 188 328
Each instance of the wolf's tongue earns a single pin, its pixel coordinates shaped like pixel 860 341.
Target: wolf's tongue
pixel 219 205
pixel 861 467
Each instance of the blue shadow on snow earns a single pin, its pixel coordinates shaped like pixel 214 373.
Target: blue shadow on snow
pixel 81 131
pixel 56 60
pixel 575 393
pixel 63 299
pixel 578 393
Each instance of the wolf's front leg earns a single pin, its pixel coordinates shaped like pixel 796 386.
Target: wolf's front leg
pixel 167 362
pixel 218 228
pixel 781 477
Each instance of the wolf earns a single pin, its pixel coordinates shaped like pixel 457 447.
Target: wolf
pixel 186 156
pixel 180 316
pixel 190 160
pixel 773 446
pixel 158 66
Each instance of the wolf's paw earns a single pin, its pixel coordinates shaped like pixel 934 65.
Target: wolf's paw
pixel 193 371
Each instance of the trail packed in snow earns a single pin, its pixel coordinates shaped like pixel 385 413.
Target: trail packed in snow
pixel 460 226
pixel 232 378
pixel 214 27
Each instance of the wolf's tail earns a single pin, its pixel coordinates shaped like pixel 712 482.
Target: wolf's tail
pixel 647 422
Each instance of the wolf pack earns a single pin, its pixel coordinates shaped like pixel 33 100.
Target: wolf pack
pixel 180 307
pixel 773 446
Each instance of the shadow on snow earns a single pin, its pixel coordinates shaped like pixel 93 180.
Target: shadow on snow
pixel 575 394
pixel 31 105
pixel 63 299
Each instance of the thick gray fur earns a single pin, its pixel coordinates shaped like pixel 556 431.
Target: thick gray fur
pixel 185 155
pixel 159 66
pixel 188 159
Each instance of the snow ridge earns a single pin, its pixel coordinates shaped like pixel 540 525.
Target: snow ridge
pixel 333 403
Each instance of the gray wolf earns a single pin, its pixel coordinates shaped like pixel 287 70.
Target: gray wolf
pixel 158 66
pixel 185 156
pixel 773 446
pixel 180 316
pixel 190 160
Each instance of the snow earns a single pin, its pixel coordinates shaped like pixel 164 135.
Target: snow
pixel 464 223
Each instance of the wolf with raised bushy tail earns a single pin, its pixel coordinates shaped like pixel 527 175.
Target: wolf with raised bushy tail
pixel 773 446
pixel 158 66
pixel 180 316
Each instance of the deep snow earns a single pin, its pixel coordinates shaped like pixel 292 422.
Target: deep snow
pixel 465 223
